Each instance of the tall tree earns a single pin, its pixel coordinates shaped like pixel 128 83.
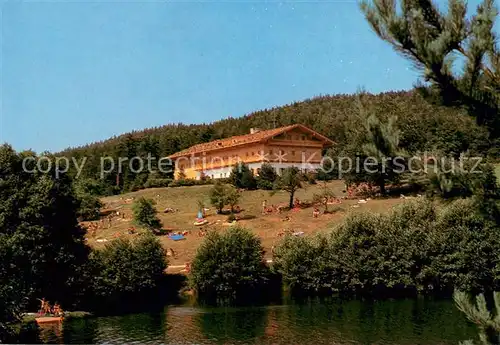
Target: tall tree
pixel 42 246
pixel 383 148
pixel 432 40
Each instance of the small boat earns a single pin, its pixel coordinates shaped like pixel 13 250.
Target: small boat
pixel 48 319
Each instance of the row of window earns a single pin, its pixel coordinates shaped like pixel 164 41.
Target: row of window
pixel 255 171
pixel 251 154
pixel 296 137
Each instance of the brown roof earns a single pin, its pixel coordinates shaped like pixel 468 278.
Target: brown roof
pixel 259 136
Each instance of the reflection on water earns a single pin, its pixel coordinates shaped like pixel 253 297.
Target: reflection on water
pixel 334 322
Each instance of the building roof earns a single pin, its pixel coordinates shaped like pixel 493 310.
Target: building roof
pixel 260 136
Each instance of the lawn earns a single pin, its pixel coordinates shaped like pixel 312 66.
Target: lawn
pixel 266 227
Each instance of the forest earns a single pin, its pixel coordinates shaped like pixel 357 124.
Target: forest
pixel 423 127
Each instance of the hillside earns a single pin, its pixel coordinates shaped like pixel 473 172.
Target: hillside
pixel 184 201
pixel 423 126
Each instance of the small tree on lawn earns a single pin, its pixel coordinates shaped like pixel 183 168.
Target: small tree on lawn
pixel 232 197
pixel 217 196
pixel 267 176
pixel 145 213
pixel 290 181
pixel 242 177
pixel 323 196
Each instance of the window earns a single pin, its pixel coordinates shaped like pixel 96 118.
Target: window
pixel 293 153
pixel 253 153
pixel 270 152
pixel 247 154
pixel 303 137
pixel 282 152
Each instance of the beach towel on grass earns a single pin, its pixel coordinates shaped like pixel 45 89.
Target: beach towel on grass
pixel 177 237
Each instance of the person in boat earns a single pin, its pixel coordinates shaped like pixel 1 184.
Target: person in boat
pixel 57 310
pixel 44 307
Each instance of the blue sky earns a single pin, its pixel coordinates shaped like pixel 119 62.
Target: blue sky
pixel 78 72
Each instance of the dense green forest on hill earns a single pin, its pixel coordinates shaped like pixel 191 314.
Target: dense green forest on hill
pixel 423 127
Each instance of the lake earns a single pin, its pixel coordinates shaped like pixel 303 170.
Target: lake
pixel 418 321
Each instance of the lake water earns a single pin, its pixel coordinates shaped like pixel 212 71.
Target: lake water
pixel 334 322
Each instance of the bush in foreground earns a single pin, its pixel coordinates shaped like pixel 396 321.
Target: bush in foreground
pixel 125 268
pixel 416 248
pixel 229 267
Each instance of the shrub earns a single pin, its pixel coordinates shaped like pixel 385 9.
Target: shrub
pixel 229 267
pixel 89 207
pixel 467 246
pixel 290 181
pixel 182 183
pixel 305 264
pixel 217 196
pixel 416 247
pixel 157 182
pixel 125 268
pixel 145 213
pixel 232 196
pixel 221 195
pixel 267 177
pixel 242 177
pixel 86 191
pixel 263 184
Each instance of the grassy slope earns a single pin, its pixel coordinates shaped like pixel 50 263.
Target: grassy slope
pixel 497 171
pixel 266 227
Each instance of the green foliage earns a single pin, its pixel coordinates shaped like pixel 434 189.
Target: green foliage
pixel 126 268
pixel 157 182
pixel 232 196
pixel 86 191
pixel 217 196
pixel 267 176
pixel 221 195
pixel 43 248
pixel 229 267
pixel 431 39
pixel 242 177
pixel 478 313
pixel 448 178
pixel 381 158
pixel 90 207
pixel 290 181
pixel 145 213
pixel 417 247
pixel 324 196
pixel 423 127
